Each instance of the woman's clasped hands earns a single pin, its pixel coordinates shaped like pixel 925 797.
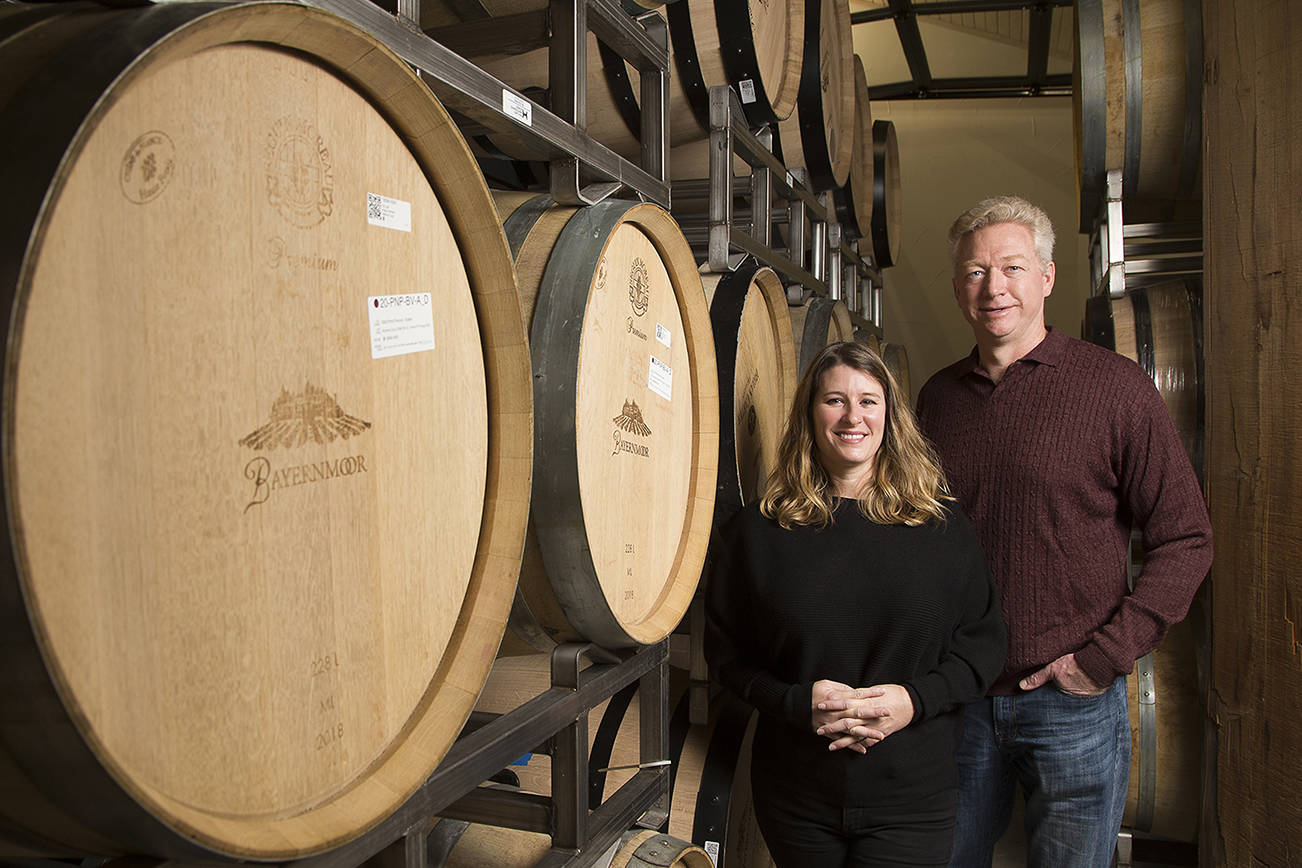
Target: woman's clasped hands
pixel 859 717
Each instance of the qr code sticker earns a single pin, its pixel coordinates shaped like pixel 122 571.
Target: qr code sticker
pixel 374 207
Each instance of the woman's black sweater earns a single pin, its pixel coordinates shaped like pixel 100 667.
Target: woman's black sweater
pixel 864 604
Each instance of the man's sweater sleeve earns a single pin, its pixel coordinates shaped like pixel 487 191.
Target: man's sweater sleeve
pixel 979 643
pixel 1161 491
pixel 735 643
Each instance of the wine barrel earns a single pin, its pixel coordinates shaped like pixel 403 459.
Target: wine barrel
pixel 868 339
pixel 757 379
pixel 819 136
pixel 854 200
pixel 1138 105
pixel 817 323
pixel 1166 733
pixel 473 845
pixel 754 46
pixel 897 361
pixel 887 197
pixel 259 555
pixel 1160 327
pixel 626 436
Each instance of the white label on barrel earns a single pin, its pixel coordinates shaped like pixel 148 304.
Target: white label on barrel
pixel 663 334
pixel 401 324
pixel 660 378
pixel 747 88
pixel 389 213
pixel 712 850
pixel 517 108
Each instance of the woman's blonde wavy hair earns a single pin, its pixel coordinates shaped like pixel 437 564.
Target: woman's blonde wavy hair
pixel 907 484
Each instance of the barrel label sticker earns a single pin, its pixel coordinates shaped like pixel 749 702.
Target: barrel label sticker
pixel 387 212
pixel 663 334
pixel 517 108
pixel 311 415
pixel 639 286
pixel 300 174
pixel 147 167
pixel 747 89
pixel 630 420
pixel 712 850
pixel 401 324
pixel 660 378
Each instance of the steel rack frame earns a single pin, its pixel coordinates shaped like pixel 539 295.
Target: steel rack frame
pixel 554 722
pixel 575 158
pixel 834 266
pixel 1129 256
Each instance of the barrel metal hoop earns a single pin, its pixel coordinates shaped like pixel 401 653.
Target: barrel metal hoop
pixel 725 319
pixel 710 819
pixel 658 851
pixel 740 60
pixel 688 64
pixel 621 88
pixel 885 157
pixel 1145 353
pixel 1093 109
pixel 555 500
pixel 1146 692
pixel 1134 50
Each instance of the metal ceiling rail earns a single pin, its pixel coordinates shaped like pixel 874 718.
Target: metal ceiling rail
pixel 1036 82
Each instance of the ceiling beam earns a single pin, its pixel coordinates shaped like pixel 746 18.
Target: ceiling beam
pixel 977 87
pixel 953 7
pixel 1037 48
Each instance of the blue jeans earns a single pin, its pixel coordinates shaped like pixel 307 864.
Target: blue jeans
pixel 1070 754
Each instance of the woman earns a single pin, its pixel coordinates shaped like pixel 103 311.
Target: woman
pixel 853 607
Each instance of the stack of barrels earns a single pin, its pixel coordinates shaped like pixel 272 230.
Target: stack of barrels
pixel 330 429
pixel 1137 95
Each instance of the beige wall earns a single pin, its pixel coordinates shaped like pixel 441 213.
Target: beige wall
pixel 952 154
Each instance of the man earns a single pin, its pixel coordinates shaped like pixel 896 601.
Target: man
pixel 1055 447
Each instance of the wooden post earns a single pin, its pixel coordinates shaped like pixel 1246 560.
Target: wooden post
pixel 1253 231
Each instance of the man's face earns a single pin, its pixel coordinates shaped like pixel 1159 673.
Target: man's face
pixel 1000 285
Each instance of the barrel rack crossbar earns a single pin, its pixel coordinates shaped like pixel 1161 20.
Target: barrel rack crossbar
pixel 470 91
pixel 555 722
pixel 777 195
pixel 1129 256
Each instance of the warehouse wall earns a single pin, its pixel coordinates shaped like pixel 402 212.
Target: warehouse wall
pixel 952 154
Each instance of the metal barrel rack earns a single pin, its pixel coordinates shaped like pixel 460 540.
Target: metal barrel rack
pixel 827 263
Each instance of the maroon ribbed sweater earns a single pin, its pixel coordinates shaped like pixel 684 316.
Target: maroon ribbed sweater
pixel 1052 464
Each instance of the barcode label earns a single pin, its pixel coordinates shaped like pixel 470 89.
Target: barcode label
pixel 663 334
pixel 660 379
pixel 389 213
pixel 517 107
pixel 401 324
pixel 747 88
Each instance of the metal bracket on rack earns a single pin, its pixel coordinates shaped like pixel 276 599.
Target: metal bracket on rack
pixel 470 91
pixel 777 195
pixel 1124 257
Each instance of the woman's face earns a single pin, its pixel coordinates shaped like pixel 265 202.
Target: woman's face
pixel 848 420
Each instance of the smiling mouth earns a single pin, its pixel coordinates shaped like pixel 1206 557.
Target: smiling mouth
pixel 851 437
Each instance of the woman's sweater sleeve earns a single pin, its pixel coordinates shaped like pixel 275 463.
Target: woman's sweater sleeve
pixel 979 642
pixel 736 643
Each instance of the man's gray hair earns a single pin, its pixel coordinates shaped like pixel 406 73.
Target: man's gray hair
pixel 1005 209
